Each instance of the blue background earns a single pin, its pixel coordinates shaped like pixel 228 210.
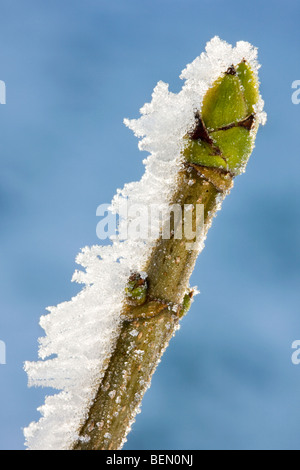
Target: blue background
pixel 74 69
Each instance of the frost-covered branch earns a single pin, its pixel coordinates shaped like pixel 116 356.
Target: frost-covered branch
pixel 109 339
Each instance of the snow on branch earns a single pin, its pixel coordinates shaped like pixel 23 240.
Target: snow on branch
pixel 81 334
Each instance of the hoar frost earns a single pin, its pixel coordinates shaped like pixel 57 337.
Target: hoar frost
pixel 81 334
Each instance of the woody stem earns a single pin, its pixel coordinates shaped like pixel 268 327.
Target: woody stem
pixel 146 330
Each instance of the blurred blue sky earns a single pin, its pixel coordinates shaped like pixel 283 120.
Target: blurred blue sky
pixel 74 69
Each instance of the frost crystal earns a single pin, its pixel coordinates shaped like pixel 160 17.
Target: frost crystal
pixel 81 333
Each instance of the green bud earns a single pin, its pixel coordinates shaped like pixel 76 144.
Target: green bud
pixel 224 103
pixel 201 153
pixel 225 132
pixel 250 86
pixel 136 290
pixel 236 144
pixel 186 304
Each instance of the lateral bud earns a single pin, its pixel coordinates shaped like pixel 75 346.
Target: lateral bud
pixel 186 303
pixel 136 289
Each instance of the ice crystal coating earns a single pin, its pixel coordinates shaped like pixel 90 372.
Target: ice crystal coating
pixel 81 333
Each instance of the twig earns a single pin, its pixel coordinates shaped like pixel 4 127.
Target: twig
pixel 148 328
